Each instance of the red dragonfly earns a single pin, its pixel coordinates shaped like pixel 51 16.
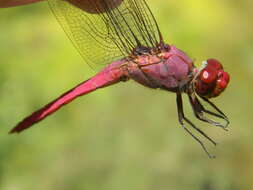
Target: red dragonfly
pixel 124 35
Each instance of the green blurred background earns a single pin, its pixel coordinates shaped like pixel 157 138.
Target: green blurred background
pixel 126 136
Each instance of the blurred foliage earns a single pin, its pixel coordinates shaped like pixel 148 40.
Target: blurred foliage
pixel 102 140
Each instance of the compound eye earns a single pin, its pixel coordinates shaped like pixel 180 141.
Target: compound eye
pixel 208 75
pixel 223 80
pixel 214 63
pixel 212 80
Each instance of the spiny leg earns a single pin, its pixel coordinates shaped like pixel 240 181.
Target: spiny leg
pixel 222 115
pixel 182 118
pixel 191 124
pixel 198 109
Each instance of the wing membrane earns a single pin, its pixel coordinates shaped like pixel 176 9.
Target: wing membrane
pixel 109 33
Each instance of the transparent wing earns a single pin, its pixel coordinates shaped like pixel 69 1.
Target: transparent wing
pixel 107 30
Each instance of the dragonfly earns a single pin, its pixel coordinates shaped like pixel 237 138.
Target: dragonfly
pixel 123 36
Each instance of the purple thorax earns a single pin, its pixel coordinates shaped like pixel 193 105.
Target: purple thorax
pixel 168 70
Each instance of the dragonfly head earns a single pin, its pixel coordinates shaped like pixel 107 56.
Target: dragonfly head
pixel 211 80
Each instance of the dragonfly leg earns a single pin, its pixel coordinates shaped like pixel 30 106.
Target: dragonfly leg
pixel 182 118
pixel 220 115
pixel 199 111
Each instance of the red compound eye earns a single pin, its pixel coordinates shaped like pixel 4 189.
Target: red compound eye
pixel 208 75
pixel 215 64
pixel 212 80
pixel 224 76
pixel 223 80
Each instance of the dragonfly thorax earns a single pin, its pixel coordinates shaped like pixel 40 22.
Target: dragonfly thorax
pixel 157 50
pixel 141 50
pixel 170 70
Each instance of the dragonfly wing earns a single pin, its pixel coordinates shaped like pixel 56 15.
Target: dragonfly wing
pixel 108 35
pixel 87 32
